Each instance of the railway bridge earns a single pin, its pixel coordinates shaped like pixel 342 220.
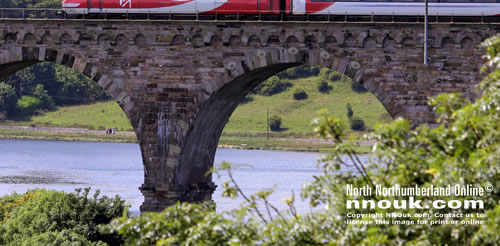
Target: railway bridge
pixel 179 81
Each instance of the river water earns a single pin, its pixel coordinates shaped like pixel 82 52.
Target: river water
pixel 116 168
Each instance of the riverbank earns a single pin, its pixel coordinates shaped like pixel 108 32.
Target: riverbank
pixel 231 142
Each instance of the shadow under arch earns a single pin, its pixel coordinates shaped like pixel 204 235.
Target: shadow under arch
pixel 198 153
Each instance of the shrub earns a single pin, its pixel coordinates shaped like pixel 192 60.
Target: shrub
pixel 40 93
pixel 299 93
pixel 323 86
pixel 271 86
pixel 350 113
pixel 357 124
pixel 274 123
pixel 28 105
pixel 8 99
pixel 68 217
pixel 299 72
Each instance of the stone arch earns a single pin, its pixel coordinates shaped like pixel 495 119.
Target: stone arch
pixel 330 42
pixel 66 39
pixel 197 41
pixel 467 43
pixel 370 43
pixel 292 41
pixel 273 41
pixel 216 40
pixel 254 41
pixel 10 38
pixel 408 42
pixel 29 39
pixel 103 39
pixel 121 41
pixel 199 146
pixel 178 40
pixel 311 42
pixel 447 43
pixel 47 39
pixel 235 40
pixel 140 41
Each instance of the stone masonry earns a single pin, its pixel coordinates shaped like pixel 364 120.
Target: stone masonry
pixel 179 82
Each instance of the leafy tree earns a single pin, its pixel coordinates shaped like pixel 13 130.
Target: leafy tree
pixel 274 123
pixel 323 86
pixel 8 99
pixel 271 86
pixel 40 93
pixel 40 216
pixel 299 72
pixel 299 93
pixel 357 124
pixel 28 105
pixel 350 113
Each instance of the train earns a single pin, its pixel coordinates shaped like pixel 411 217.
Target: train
pixel 84 8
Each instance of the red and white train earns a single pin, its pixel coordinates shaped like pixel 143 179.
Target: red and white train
pixel 288 7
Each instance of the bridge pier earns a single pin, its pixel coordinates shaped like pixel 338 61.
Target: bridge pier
pixel 179 82
pixel 158 198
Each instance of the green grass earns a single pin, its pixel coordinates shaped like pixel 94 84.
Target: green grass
pixel 297 114
pixel 96 116
pixel 249 119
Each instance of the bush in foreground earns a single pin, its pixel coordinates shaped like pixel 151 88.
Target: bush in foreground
pixel 40 216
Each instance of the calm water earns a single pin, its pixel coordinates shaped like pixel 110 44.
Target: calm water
pixel 116 168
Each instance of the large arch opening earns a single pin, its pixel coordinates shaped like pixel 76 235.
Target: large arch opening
pixel 80 110
pixel 232 100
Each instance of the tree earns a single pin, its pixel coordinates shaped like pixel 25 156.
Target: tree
pixel 271 86
pixel 8 99
pixel 40 217
pixel 350 113
pixel 323 86
pixel 40 93
pixel 299 93
pixel 274 123
pixel 357 124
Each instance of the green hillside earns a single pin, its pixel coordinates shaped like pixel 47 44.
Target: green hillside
pixel 96 116
pixel 297 114
pixel 248 119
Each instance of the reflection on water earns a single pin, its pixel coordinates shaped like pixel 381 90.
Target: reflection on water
pixel 116 168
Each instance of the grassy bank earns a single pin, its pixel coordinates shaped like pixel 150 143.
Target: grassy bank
pixel 225 142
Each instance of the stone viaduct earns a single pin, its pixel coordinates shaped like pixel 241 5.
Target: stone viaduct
pixel 179 81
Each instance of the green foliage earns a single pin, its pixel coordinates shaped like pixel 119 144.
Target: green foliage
pixel 323 86
pixel 28 105
pixel 271 86
pixel 299 93
pixel 40 93
pixel 299 72
pixel 8 99
pixel 274 123
pixel 350 113
pixel 357 124
pixel 55 85
pixel 41 216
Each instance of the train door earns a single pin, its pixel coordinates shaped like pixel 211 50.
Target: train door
pixel 94 4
